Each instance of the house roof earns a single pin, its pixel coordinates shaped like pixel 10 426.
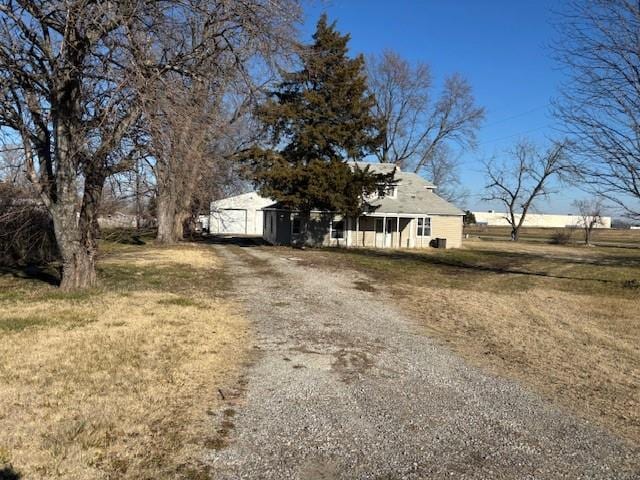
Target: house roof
pixel 388 168
pixel 414 195
pixel 245 200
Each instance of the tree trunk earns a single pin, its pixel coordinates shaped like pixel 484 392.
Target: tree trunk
pixel 78 269
pixel 78 251
pixel 77 232
pixel 515 234
pixel 170 222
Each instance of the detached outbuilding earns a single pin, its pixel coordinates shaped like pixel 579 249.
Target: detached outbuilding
pixel 406 214
pixel 238 215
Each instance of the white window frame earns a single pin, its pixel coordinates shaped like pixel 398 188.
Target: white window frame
pixel 390 191
pixel 422 224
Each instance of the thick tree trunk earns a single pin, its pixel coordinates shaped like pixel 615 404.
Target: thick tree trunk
pixel 78 251
pixel 170 222
pixel 77 231
pixel 78 269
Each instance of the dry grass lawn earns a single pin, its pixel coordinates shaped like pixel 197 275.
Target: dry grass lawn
pixel 564 320
pixel 121 382
pixel 609 236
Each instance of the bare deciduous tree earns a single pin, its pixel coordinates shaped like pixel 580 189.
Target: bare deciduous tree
pixel 63 95
pixel 420 130
pixel 591 212
pixel 518 182
pixel 68 91
pixel 215 52
pixel 599 105
pixel 180 126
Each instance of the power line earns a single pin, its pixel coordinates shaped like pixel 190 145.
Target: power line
pixel 518 115
pixel 514 135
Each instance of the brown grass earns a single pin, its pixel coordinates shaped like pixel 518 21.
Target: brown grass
pixel 576 235
pixel 117 382
pixel 561 319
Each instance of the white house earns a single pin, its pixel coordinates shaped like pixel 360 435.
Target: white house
pixel 406 214
pixel 238 215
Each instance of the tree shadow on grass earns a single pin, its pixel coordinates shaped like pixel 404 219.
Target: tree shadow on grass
pixel 237 240
pixel 8 473
pixel 500 263
pixel 44 274
pixel 129 236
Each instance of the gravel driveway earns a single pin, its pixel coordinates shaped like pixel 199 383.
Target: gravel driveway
pixel 344 386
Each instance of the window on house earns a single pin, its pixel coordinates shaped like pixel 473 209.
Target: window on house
pixel 424 227
pixel 386 191
pixel 295 229
pixel 337 231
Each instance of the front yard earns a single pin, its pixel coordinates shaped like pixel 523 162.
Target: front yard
pixel 562 319
pixel 126 381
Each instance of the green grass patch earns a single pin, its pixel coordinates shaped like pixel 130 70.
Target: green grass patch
pixel 181 302
pixel 17 324
pixel 66 318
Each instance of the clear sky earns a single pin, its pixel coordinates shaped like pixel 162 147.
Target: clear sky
pixel 502 47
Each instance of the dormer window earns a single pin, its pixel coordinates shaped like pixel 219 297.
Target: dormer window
pixel 390 191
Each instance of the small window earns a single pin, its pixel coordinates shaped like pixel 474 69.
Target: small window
pixel 424 227
pixel 386 191
pixel 295 229
pixel 338 230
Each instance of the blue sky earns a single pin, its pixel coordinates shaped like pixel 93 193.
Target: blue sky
pixel 502 47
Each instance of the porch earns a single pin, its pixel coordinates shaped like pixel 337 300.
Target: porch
pixel 385 231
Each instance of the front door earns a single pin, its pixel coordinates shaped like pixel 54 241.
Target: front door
pixel 391 228
pixel 384 232
pixel 379 233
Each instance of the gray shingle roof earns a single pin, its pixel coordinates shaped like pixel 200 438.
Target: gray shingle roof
pixel 415 194
pixel 375 167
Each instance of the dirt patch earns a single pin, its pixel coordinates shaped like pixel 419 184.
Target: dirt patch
pixel 364 285
pixel 351 363
pixel 106 385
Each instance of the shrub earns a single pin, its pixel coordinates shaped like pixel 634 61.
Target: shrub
pixel 26 230
pixel 562 237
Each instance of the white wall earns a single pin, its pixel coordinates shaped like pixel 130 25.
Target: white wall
pixel 537 220
pixel 252 202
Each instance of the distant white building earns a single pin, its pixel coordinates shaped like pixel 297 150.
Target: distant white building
pixel 544 220
pixel 238 215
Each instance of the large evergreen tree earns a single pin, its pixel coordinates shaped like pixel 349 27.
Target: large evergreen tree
pixel 317 119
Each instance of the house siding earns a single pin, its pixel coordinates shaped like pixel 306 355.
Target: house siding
pixel 318 226
pixel 442 226
pixel 251 203
pixel 448 227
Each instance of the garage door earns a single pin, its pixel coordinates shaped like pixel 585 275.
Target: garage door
pixel 232 221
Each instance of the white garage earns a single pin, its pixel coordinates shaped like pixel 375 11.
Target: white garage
pixel 238 215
